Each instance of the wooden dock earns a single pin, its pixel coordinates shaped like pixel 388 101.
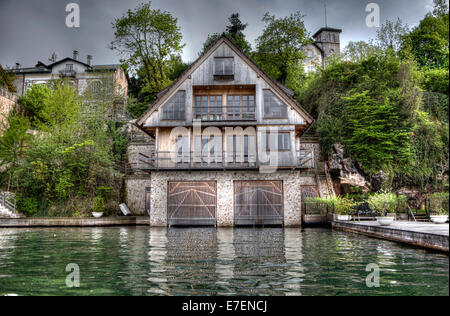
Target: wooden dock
pixel 426 235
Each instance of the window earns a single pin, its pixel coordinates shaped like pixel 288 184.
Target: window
pixel 240 107
pixel 223 66
pixel 281 141
pixel 69 67
pixel 309 53
pixel 208 108
pixel 174 109
pixel 182 149
pixel 241 149
pixel 208 149
pixel 273 108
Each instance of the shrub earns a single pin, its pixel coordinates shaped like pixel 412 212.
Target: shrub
pixel 27 205
pixel 99 204
pixel 438 203
pixel 339 205
pixel 383 203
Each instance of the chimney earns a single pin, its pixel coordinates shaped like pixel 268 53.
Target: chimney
pixel 89 60
pixel 75 54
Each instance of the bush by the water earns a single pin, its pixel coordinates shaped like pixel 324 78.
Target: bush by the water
pixel 68 164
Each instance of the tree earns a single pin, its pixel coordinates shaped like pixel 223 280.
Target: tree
pixel 33 102
pixel 60 108
pixel 236 27
pixel 147 39
pixel 390 35
pixel 234 31
pixel 374 135
pixel 440 8
pixel 357 51
pixel 12 142
pixel 279 48
pixel 428 42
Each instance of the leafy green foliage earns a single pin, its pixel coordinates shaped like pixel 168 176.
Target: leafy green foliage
pixel 374 107
pixel 337 204
pixel 147 39
pixel 27 205
pixel 72 157
pixel 428 42
pixel 438 203
pixel 374 134
pixel 234 31
pixel 6 80
pixel 99 204
pixel 33 102
pixel 385 202
pixel 279 48
pixel 12 142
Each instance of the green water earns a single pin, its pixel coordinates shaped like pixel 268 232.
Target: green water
pixel 144 261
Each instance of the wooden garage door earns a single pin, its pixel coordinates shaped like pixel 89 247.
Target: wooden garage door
pixel 258 203
pixel 191 203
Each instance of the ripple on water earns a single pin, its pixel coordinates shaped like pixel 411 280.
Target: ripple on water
pixel 206 261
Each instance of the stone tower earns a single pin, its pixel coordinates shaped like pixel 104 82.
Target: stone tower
pixel 328 40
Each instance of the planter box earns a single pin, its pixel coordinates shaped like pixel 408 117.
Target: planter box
pixel 439 219
pixel 385 221
pixel 343 217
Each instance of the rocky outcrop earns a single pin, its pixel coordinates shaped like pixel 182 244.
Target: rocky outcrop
pixel 344 170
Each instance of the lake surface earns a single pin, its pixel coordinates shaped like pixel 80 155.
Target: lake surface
pixel 202 261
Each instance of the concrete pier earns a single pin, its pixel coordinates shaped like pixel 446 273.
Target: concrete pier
pixel 427 235
pixel 75 222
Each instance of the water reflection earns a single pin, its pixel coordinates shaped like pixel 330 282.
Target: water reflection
pixel 225 261
pixel 208 261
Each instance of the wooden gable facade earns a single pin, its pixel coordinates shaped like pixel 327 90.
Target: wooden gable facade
pixel 224 89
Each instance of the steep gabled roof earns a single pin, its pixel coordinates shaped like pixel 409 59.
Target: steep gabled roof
pixel 284 91
pixel 68 59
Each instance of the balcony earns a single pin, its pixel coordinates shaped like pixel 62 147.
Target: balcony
pixel 166 160
pixel 68 73
pixel 225 113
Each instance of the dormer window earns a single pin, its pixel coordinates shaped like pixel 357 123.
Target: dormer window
pixel 223 68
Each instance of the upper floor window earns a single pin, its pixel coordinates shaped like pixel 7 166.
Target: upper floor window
pixel 278 141
pixel 69 67
pixel 273 107
pixel 223 66
pixel 309 53
pixel 208 108
pixel 175 108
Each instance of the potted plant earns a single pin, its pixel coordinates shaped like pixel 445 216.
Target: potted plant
pixel 383 204
pixel 342 208
pixel 438 204
pixel 99 207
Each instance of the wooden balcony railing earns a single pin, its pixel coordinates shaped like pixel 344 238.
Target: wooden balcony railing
pixel 225 113
pixel 166 160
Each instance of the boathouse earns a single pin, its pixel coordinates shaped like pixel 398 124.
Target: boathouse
pixel 228 147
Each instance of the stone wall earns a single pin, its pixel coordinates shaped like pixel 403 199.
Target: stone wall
pixel 225 192
pixel 135 193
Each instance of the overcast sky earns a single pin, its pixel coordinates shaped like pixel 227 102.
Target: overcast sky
pixel 30 30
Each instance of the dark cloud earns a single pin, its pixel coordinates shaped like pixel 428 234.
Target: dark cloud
pixel 32 30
